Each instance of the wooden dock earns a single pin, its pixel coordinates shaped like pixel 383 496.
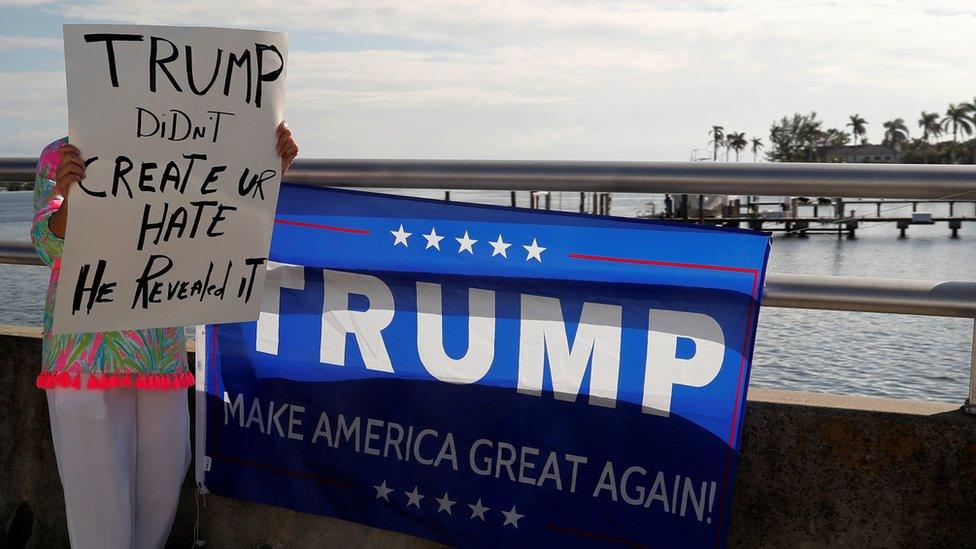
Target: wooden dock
pixel 804 226
pixel 788 220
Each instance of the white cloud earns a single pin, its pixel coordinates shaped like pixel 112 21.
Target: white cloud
pixel 541 139
pixel 516 76
pixel 32 109
pixel 8 43
pixel 32 95
pixel 29 142
pixel 645 79
pixel 23 3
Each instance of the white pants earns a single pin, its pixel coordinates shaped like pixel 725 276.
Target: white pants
pixel 122 455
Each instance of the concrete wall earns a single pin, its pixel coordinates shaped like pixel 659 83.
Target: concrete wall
pixel 819 470
pixel 815 470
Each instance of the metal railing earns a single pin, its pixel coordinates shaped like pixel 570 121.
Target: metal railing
pixel 840 293
pixel 777 179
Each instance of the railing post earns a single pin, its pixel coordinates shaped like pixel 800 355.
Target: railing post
pixel 970 406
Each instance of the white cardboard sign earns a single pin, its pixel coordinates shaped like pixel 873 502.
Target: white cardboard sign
pixel 172 224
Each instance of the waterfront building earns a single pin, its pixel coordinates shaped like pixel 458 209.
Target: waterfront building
pixel 862 153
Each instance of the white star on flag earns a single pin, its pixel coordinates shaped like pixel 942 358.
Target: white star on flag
pixel 433 241
pixel 466 243
pixel 413 498
pixel 400 236
pixel 498 247
pixel 511 517
pixel 478 510
pixel 383 492
pixel 535 251
pixel 444 504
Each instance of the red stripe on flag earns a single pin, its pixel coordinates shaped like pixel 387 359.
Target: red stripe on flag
pixel 662 263
pixel 321 227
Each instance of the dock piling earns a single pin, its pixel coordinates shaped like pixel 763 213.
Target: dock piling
pixel 802 227
pixel 902 226
pixel 954 226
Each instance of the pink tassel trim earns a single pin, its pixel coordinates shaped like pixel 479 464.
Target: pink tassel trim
pixel 100 382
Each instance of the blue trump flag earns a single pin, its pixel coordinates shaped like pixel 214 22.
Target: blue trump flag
pixel 486 376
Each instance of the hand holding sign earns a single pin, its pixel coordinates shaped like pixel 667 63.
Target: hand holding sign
pixel 71 168
pixel 180 180
pixel 287 148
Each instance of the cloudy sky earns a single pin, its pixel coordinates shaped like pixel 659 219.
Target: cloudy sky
pixel 540 79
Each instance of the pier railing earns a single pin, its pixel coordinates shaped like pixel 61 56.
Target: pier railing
pixel 840 293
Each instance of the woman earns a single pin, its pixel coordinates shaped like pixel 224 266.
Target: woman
pixel 117 400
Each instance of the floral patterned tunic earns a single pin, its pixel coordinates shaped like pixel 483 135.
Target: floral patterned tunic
pixel 141 359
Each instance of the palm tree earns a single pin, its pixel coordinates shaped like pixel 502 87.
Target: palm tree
pixel 737 142
pixel 795 139
pixel 756 145
pixel 718 138
pixel 858 127
pixel 833 137
pixel 929 122
pixel 957 117
pixel 896 133
pixel 972 114
pixel 810 133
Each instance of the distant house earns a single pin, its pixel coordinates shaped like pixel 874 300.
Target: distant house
pixel 861 153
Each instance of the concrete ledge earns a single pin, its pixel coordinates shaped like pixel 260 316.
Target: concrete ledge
pixel 826 470
pixel 815 470
pixel 20 331
pixel 846 402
